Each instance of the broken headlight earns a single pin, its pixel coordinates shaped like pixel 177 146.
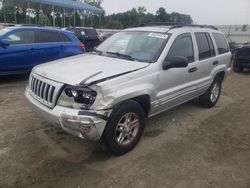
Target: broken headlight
pixel 77 97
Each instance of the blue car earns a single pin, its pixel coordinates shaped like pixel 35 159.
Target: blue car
pixel 22 48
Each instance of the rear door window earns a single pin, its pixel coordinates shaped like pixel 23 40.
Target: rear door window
pixel 221 43
pixel 182 46
pixel 205 45
pixel 21 37
pixel 49 37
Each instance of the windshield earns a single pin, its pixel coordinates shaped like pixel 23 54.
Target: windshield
pixel 139 46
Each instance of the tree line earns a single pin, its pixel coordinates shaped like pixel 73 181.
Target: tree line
pixel 114 21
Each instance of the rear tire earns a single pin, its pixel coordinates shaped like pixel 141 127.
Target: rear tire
pixel 212 95
pixel 124 128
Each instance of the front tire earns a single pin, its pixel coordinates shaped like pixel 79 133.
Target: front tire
pixel 124 128
pixel 211 97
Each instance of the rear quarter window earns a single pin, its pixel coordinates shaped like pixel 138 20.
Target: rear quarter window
pixel 65 38
pixel 222 44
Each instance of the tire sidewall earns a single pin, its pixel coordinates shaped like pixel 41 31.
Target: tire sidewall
pixel 216 80
pixel 108 138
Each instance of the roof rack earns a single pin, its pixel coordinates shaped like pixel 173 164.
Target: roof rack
pixel 174 25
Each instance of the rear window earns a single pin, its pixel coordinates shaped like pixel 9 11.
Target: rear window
pixel 90 31
pixel 221 43
pixel 205 45
pixel 49 37
pixel 77 32
pixel 243 52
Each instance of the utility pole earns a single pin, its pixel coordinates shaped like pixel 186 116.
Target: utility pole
pixel 4 15
pixel 54 18
pixel 28 4
pixel 15 15
pixel 64 24
pixel 74 17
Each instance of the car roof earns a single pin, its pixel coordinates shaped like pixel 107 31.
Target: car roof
pixel 171 29
pixel 161 29
pixel 37 28
pixel 81 28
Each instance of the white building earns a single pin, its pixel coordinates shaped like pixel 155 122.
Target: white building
pixel 238 33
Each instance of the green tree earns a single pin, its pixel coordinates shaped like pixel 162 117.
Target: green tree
pixel 125 19
pixel 162 15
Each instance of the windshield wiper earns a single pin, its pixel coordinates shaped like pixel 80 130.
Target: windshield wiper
pixel 99 52
pixel 128 57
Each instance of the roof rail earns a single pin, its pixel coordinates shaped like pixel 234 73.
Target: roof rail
pixel 174 25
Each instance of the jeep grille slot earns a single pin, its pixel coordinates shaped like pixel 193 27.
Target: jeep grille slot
pixel 43 91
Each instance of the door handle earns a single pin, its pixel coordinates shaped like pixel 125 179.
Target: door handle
pixel 215 62
pixel 193 69
pixel 32 49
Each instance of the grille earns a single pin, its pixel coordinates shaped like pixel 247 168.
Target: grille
pixel 43 91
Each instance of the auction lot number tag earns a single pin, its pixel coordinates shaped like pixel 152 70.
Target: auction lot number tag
pixel 158 35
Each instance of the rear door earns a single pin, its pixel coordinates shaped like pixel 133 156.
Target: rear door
pixel 224 55
pixel 21 53
pixel 51 46
pixel 207 60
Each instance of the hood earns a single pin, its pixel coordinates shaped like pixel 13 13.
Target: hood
pixel 86 68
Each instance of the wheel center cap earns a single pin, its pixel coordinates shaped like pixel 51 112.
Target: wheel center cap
pixel 126 129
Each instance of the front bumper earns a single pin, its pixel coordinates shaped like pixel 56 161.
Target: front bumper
pixel 81 123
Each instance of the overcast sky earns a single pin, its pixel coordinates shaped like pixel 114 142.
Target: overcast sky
pixel 217 12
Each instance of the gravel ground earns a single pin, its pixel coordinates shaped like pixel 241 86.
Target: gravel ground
pixel 187 146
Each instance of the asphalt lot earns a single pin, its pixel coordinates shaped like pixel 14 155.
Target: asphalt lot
pixel 185 147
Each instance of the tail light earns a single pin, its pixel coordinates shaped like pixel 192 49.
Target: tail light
pixel 82 46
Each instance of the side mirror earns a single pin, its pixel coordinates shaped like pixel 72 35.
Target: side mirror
pixel 175 62
pixel 4 42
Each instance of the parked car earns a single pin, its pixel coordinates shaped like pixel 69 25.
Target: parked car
pixel 232 44
pixel 242 58
pixel 21 48
pixel 88 36
pixel 137 73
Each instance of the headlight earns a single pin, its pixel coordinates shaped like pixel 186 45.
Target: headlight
pixel 77 97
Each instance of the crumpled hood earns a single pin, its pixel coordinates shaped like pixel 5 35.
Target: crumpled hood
pixel 86 68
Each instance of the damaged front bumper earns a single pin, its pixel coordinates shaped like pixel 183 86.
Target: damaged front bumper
pixel 81 123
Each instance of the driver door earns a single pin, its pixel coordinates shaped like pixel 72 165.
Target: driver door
pixel 177 84
pixel 21 53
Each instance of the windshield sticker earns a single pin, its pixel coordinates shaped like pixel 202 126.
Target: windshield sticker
pixel 158 35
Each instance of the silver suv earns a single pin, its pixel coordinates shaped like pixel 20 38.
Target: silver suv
pixel 135 74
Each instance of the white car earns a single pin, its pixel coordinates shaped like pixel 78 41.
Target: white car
pixel 137 73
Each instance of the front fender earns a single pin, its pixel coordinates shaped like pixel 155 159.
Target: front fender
pixel 118 96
